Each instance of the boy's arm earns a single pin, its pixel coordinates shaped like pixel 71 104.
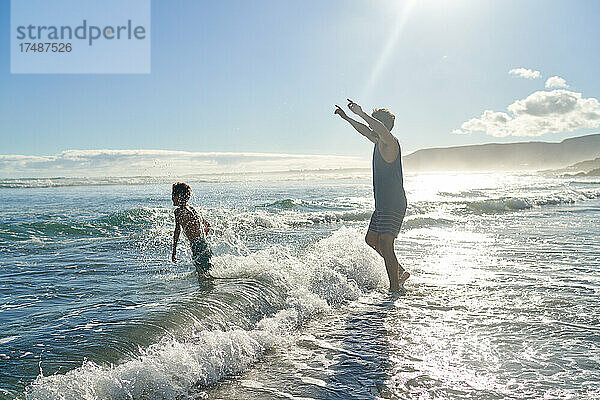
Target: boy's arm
pixel 379 128
pixel 206 226
pixel 361 128
pixel 175 237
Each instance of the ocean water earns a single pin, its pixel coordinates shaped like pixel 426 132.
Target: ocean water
pixel 502 301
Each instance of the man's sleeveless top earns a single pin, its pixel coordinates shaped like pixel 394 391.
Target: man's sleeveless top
pixel 388 184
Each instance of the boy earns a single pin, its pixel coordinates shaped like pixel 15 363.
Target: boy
pixel 195 228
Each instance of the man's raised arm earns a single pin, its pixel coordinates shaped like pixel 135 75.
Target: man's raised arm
pixel 377 126
pixel 361 128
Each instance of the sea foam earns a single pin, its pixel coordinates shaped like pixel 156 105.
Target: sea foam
pixel 325 275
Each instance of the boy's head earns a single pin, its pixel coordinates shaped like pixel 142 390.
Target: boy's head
pixel 385 116
pixel 181 193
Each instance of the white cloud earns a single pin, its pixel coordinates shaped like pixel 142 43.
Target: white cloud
pixel 541 112
pixel 556 82
pixel 525 73
pixel 98 163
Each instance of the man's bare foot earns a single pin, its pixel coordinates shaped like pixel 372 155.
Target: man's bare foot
pixel 402 277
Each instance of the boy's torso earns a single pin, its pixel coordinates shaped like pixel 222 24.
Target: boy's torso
pixel 190 222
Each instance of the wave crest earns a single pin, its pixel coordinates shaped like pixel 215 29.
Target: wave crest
pixel 523 203
pixel 329 273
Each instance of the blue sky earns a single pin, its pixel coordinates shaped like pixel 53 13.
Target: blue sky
pixel 263 76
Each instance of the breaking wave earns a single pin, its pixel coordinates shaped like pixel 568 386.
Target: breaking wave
pixel 527 202
pixel 324 276
pixel 341 173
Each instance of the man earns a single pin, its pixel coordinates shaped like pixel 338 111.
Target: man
pixel 390 199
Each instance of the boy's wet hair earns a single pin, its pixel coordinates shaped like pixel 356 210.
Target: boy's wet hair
pixel 182 190
pixel 385 116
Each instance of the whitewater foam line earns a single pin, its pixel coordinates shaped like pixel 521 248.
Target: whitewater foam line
pixel 216 177
pixel 524 203
pixel 328 274
pixel 32 183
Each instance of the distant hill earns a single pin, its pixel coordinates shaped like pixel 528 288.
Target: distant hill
pixel 584 166
pixel 594 172
pixel 505 156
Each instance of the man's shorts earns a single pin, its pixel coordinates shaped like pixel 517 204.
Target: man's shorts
pixel 201 255
pixel 387 222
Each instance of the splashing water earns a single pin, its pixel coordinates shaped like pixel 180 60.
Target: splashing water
pixel 501 302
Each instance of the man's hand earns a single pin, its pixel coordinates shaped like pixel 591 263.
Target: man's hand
pixel 380 131
pixel 355 108
pixel 340 112
pixel 361 128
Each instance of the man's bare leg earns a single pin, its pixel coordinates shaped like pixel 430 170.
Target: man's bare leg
pixel 372 239
pixel 386 245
